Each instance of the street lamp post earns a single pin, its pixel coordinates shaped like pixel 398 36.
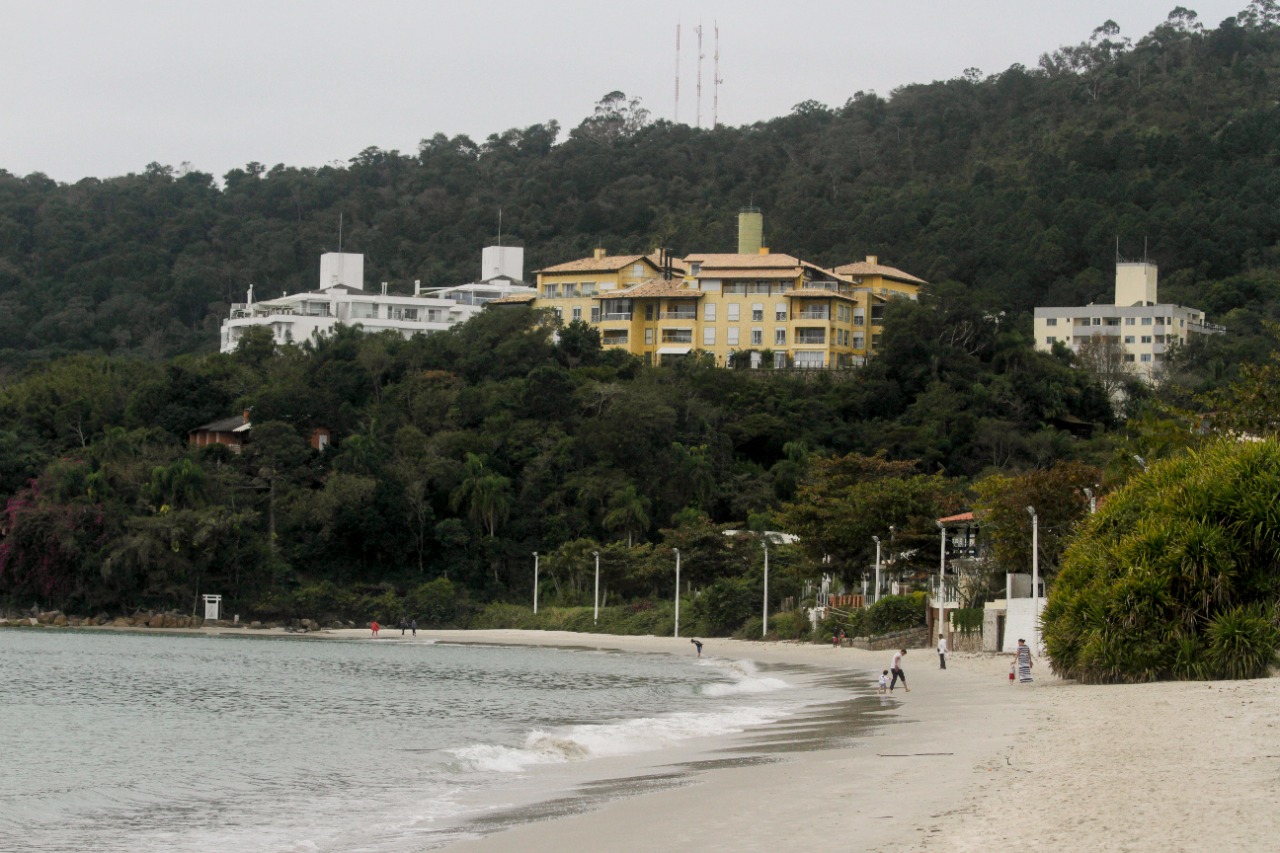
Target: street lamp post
pixel 677 633
pixel 764 629
pixel 535 583
pixel 1035 577
pixel 942 571
pixel 595 618
pixel 876 597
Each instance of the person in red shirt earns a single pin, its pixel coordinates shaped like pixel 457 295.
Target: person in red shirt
pixel 373 626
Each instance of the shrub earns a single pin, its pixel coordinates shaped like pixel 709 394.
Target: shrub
pixel 792 625
pixel 967 620
pixel 435 603
pixel 726 603
pixel 895 613
pixel 1176 574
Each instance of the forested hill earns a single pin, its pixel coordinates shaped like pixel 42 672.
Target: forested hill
pixel 1013 185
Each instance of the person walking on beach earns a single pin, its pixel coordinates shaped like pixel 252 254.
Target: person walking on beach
pixel 898 673
pixel 404 626
pixel 942 651
pixel 373 626
pixel 413 626
pixel 698 644
pixel 1024 662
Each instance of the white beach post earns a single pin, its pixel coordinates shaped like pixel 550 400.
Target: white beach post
pixel 764 628
pixel 942 572
pixel 595 618
pixel 677 632
pixel 1035 578
pixel 876 597
pixel 212 605
pixel 535 583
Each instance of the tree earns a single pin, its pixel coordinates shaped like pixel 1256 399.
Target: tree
pixel 628 512
pixel 485 494
pixel 1058 497
pixel 615 118
pixel 1175 576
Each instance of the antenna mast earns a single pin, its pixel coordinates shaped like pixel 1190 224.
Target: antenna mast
pixel 715 83
pixel 698 30
pixel 676 118
pixel 339 232
pixel 499 226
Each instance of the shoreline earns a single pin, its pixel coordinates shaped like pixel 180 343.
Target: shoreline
pixel 966 762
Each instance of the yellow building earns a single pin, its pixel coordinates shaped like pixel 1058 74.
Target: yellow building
pixel 769 309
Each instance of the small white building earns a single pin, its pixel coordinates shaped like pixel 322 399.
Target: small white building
pixel 1144 329
pixel 341 298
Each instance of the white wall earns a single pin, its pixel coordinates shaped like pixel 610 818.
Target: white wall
pixel 1019 622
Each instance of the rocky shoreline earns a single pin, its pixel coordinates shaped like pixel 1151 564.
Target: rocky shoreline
pixel 36 618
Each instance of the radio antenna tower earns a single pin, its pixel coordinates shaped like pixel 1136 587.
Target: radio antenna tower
pixel 676 117
pixel 698 30
pixel 715 83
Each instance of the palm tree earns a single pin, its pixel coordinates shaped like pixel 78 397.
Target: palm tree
pixel 628 512
pixel 486 494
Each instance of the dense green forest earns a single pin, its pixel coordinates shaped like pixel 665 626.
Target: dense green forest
pixel 457 455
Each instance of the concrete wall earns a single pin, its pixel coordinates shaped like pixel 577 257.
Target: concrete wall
pixel 1020 621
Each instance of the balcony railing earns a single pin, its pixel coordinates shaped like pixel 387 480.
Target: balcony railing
pixel 618 315
pixel 688 314
pixel 814 314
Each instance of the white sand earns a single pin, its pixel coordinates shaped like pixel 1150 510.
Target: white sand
pixel 1050 766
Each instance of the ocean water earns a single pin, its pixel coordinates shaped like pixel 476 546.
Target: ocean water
pixel 137 742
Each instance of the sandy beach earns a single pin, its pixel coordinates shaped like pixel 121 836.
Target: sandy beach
pixel 975 764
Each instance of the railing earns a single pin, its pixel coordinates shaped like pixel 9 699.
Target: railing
pixel 814 314
pixel 1208 328
pixel 678 315
pixel 810 340
pixel 618 316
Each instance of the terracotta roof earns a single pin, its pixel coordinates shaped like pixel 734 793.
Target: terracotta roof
pixel 232 424
pixel 743 261
pixel 732 275
pixel 513 299
pixel 964 516
pixel 650 288
pixel 864 268
pixel 609 263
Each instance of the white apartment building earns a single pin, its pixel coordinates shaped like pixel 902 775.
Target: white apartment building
pixel 341 298
pixel 1145 329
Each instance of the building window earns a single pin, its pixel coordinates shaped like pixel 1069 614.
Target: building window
pixel 811 336
pixel 1128 321
pixel 708 336
pixel 810 359
pixel 577 313
pixel 733 337
pixel 1146 357
pixel 1146 339
pixel 1159 321
pixel 648 311
pixel 877 314
pixel 875 341
pixel 1128 357
pixel 595 313
pixel 779 337
pixel 858 317
pixel 695 268
pixel 757 337
pixel 637 270
pixel 614 337
pixel 780 312
pixel 1128 339
pixel 677 336
pixel 551 291
pixel 1146 321
pixel 1051 340
pixel 859 342
pixel 588 288
pixel 733 312
pixel 1052 321
pixel 709 312
pixel 757 313
pixel 648 337
pixel 559 314
pixel 1097 321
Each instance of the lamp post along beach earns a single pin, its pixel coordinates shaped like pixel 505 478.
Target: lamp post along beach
pixel 876 597
pixel 1035 578
pixel 595 616
pixel 535 583
pixel 764 628
pixel 677 631
pixel 942 572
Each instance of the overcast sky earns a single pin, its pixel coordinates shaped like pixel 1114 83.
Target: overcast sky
pixel 104 87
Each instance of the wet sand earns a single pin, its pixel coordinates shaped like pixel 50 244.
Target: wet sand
pixel 964 762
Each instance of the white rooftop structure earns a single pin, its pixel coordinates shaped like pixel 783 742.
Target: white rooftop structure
pixel 341 298
pixel 1144 329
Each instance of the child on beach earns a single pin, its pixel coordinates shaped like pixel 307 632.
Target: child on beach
pixel 884 683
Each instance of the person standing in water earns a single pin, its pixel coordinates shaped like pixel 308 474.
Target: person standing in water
pixel 698 644
pixel 898 673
